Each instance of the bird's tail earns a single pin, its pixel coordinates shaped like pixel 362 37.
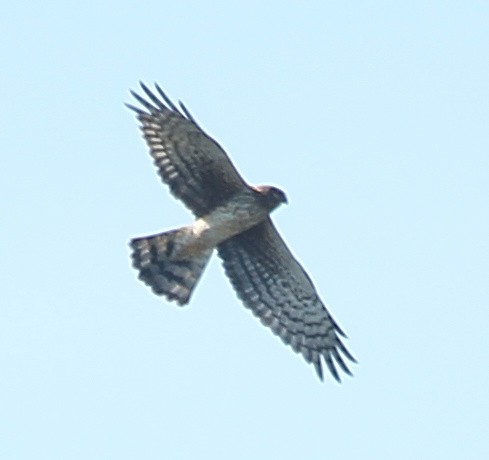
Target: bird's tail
pixel 175 278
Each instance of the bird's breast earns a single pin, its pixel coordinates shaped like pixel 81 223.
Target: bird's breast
pixel 228 220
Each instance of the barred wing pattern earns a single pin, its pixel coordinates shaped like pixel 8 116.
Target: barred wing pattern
pixel 195 167
pixel 261 268
pixel 276 288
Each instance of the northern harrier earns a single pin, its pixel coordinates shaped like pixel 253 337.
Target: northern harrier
pixel 232 217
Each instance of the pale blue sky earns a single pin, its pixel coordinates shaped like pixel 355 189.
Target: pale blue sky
pixel 372 116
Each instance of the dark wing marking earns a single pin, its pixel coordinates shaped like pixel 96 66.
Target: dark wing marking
pixel 276 288
pixel 195 167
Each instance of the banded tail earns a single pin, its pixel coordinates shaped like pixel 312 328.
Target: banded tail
pixel 174 278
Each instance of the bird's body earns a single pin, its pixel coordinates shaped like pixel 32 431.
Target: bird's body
pixel 233 218
pixel 240 213
pixel 207 232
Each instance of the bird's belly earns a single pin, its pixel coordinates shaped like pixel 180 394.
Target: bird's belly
pixel 224 223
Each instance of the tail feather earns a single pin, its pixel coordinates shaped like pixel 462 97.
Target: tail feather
pixel 173 278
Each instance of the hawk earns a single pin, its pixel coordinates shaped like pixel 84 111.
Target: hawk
pixel 234 218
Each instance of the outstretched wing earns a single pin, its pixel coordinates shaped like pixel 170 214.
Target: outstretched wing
pixel 276 288
pixel 195 167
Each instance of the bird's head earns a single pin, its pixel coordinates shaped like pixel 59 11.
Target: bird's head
pixel 272 196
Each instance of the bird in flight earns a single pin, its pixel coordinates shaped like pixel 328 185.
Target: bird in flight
pixel 233 218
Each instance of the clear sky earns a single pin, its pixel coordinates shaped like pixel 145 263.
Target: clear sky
pixel 373 116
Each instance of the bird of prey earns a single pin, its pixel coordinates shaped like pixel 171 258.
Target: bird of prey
pixel 234 218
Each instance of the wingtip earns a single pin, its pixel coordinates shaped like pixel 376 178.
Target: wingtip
pixel 167 100
pixel 145 88
pixel 331 367
pixel 339 330
pixel 133 108
pixel 154 104
pixel 158 88
pixel 341 346
pixel 318 368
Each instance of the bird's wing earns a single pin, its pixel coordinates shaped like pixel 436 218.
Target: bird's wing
pixel 195 167
pixel 271 283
